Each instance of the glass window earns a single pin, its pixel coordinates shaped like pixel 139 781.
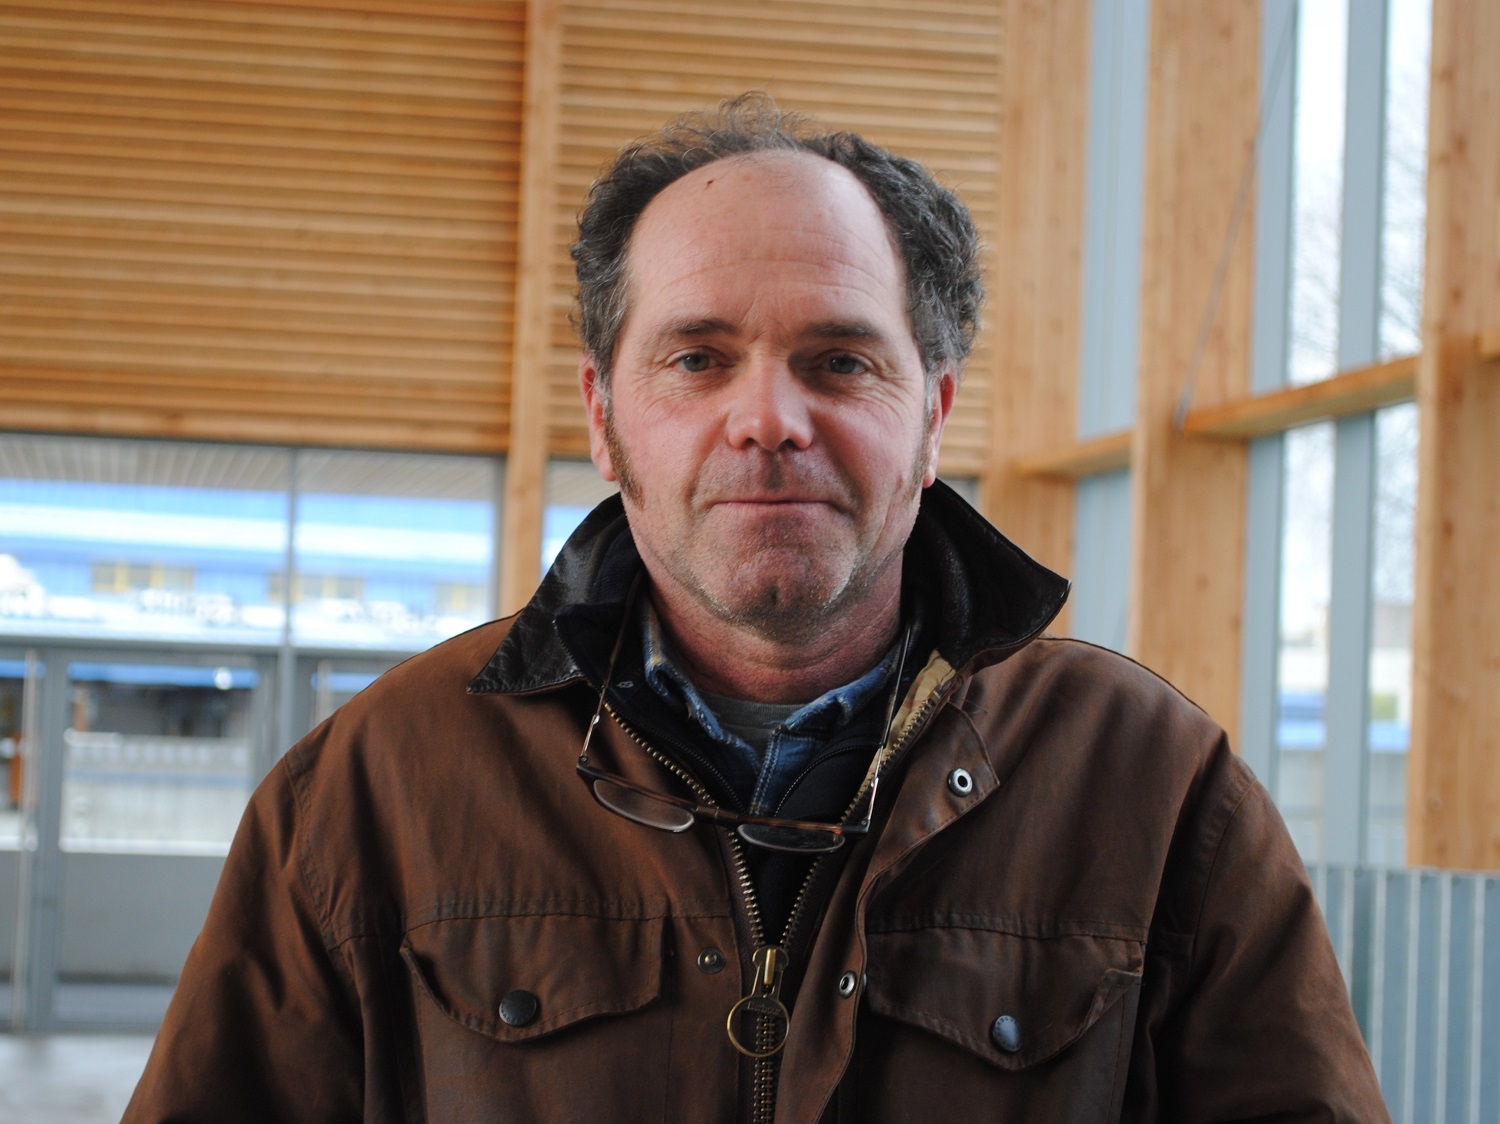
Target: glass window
pixel 1405 204
pixel 965 486
pixel 392 550
pixel 573 489
pixel 140 539
pixel 1322 52
pixel 327 684
pixel 1101 528
pixel 158 756
pixel 13 734
pixel 1390 630
pixel 1302 659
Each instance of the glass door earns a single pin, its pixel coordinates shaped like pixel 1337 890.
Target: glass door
pixel 146 762
pixel 20 673
pixel 325 683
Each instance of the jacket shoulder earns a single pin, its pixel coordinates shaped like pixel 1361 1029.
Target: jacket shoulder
pixel 1099 702
pixel 407 699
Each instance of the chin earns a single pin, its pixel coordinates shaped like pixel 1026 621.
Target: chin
pixel 789 604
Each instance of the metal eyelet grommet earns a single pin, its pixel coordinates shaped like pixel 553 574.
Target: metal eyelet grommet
pixel 1007 1034
pixel 848 984
pixel 960 782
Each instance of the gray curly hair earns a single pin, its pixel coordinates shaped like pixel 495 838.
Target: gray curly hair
pixel 935 233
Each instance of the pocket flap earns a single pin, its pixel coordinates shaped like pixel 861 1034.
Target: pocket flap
pixel 957 982
pixel 557 969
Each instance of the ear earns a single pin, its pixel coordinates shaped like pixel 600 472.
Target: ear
pixel 594 405
pixel 943 393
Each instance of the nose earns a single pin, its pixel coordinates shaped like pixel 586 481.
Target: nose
pixel 768 407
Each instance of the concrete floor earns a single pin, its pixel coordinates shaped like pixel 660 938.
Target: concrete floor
pixel 78 1078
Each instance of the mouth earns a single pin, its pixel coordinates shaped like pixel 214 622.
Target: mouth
pixel 773 502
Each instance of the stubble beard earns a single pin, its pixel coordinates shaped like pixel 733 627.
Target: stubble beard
pixel 793 609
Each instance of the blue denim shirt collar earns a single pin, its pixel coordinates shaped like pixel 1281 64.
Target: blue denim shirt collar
pixel 761 781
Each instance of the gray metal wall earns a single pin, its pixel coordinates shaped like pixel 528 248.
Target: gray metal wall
pixel 125 918
pixel 1420 950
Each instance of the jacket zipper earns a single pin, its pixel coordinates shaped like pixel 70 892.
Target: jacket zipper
pixel 763 1087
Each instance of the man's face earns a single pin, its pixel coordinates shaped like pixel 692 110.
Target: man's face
pixel 767 418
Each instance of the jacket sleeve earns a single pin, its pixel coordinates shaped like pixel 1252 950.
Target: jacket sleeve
pixel 1263 1028
pixel 262 1025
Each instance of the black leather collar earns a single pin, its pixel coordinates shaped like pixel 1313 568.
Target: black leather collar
pixel 990 597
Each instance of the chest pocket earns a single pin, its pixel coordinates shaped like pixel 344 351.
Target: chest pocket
pixel 1039 1026
pixel 510 1011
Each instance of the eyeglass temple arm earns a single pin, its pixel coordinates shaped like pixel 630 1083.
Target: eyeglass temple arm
pixel 609 674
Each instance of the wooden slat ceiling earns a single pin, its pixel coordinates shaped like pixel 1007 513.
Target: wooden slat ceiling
pixel 919 78
pixel 260 221
pixel 295 221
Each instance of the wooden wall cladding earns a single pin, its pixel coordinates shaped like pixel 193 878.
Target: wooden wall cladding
pixel 296 220
pixel 246 220
pixel 921 78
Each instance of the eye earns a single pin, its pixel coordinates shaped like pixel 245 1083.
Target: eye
pixel 694 362
pixel 844 365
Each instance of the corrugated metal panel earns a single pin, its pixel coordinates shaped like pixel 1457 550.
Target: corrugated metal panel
pixel 1420 950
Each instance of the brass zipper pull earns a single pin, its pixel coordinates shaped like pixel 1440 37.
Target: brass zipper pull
pixel 762 1009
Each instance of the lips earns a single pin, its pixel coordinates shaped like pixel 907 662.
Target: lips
pixel 774 500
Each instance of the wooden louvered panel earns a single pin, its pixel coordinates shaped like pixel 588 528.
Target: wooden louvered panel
pixel 919 78
pixel 287 221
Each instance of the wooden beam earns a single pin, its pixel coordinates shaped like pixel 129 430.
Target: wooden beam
pixel 1489 343
pixel 1453 802
pixel 1079 459
pixel 265 10
pixel 139 417
pixel 1188 534
pixel 1353 392
pixel 1036 287
pixel 526 457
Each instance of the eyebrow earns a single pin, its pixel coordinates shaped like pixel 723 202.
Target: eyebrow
pixel 845 330
pixel 827 330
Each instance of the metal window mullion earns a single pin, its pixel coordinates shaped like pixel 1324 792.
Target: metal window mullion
pixel 497 522
pixel 1345 814
pixel 1268 361
pixel 1113 210
pixel 287 727
pixel 1108 353
pixel 41 875
pixel 1347 710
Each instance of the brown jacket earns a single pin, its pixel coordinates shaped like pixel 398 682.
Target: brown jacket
pixel 1115 883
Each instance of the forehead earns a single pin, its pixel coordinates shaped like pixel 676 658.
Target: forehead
pixel 807 217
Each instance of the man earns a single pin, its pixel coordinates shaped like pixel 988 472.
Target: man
pixel 774 803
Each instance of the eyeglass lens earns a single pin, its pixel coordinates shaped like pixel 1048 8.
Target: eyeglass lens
pixel 799 840
pixel 642 808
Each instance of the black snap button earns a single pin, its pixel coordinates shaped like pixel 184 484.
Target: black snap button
pixel 519 1008
pixel 1007 1034
pixel 847 984
pixel 960 783
pixel 711 961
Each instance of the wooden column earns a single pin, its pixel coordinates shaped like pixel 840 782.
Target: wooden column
pixel 1453 804
pixel 1036 282
pixel 526 456
pixel 1188 536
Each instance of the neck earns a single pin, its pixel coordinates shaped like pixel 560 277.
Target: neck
pixel 724 658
